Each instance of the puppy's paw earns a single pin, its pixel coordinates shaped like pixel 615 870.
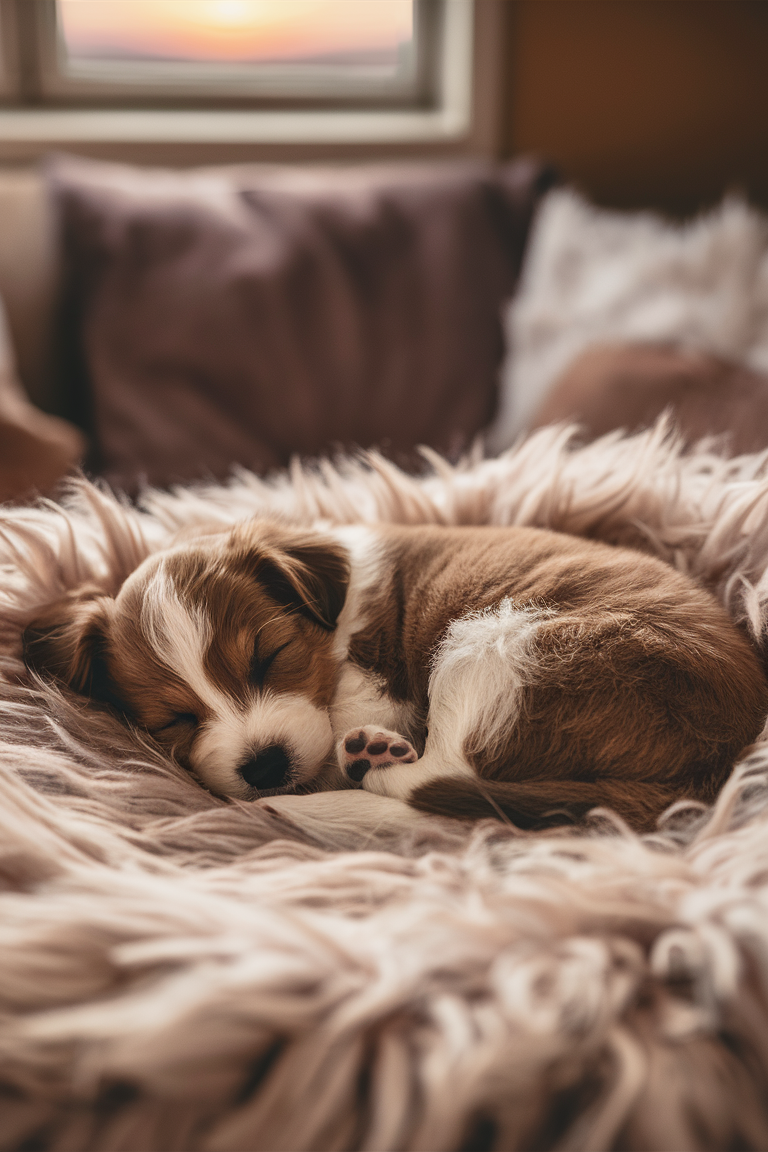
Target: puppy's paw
pixel 366 748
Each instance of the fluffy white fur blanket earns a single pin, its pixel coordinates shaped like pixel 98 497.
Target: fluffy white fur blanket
pixel 178 972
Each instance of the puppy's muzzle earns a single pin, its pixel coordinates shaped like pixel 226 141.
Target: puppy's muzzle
pixel 269 768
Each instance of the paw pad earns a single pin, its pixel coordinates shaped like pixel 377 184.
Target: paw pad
pixel 366 748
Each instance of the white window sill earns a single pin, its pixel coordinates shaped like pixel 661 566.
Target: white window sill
pixel 53 126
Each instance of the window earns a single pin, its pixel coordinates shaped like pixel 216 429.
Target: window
pixel 237 74
pixel 428 78
pixel 362 52
pixel 338 50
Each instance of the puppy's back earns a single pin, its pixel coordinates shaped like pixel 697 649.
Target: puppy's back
pixel 641 689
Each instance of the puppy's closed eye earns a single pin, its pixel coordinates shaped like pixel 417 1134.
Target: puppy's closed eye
pixel 260 665
pixel 180 721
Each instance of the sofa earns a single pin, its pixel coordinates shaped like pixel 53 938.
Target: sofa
pixel 186 322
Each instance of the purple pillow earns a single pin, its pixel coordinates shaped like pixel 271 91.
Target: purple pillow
pixel 240 315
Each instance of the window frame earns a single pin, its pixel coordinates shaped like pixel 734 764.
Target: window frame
pixel 464 114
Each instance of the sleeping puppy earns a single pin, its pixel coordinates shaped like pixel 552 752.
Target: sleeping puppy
pixel 468 671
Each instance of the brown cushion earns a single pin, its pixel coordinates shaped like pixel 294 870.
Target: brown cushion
pixel 36 450
pixel 243 315
pixel 628 386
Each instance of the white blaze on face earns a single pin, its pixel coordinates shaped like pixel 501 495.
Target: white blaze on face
pixel 233 732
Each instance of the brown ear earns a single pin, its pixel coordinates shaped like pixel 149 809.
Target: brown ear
pixel 311 575
pixel 67 642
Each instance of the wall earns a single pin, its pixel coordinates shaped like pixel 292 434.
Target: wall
pixel 659 103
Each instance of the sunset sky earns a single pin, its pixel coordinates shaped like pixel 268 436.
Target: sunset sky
pixel 221 30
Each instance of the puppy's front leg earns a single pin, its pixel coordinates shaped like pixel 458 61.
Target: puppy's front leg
pixel 387 764
pixel 368 724
pixel 475 689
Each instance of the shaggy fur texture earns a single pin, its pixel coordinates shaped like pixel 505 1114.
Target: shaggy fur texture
pixel 178 972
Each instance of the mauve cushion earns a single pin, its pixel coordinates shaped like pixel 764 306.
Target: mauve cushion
pixel 629 385
pixel 242 315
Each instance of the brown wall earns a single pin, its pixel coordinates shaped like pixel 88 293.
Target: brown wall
pixel 661 103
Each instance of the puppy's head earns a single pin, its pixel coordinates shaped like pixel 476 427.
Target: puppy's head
pixel 222 648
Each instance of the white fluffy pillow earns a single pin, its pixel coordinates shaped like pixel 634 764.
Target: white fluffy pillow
pixel 595 276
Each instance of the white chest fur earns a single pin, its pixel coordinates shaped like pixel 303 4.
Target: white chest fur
pixel 361 697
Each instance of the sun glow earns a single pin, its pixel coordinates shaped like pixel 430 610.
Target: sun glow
pixel 229 11
pixel 234 30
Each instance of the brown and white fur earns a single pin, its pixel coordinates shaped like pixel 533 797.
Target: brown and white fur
pixel 468 671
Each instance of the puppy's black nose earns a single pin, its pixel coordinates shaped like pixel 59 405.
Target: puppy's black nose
pixel 267 769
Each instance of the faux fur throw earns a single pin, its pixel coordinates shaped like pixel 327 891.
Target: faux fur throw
pixel 178 972
pixel 594 276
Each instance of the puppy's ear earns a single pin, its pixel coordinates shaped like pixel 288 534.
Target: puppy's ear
pixel 311 575
pixel 67 642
